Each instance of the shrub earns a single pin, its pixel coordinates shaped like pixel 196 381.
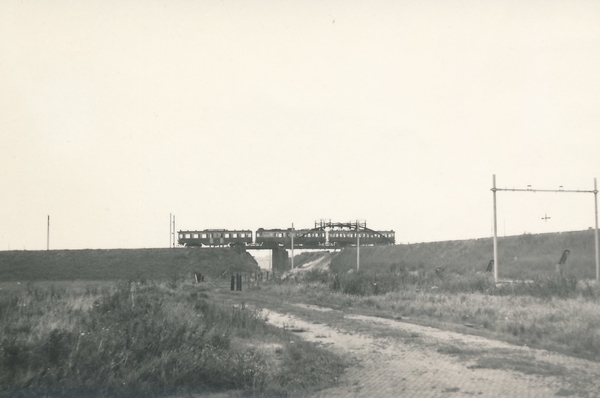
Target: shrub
pixel 316 275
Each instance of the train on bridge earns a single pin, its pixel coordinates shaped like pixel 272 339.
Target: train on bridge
pixel 270 238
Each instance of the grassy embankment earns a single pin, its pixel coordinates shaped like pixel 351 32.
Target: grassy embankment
pixel 121 264
pixel 523 257
pixel 557 313
pixel 143 338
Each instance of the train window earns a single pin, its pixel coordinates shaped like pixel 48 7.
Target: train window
pixel 180 236
pixel 195 236
pixel 234 235
pixel 227 235
pixel 187 236
pixel 203 236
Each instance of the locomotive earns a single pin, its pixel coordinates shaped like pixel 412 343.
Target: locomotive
pixel 309 238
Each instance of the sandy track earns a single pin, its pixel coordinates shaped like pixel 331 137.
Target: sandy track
pixel 419 361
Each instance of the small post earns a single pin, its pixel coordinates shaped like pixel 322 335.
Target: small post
pixel 292 245
pixel 48 235
pixel 495 232
pixel 596 232
pixel 170 228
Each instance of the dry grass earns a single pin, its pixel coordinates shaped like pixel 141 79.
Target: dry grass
pixel 148 339
pixel 570 325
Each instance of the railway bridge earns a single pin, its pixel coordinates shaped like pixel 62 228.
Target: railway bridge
pixel 325 235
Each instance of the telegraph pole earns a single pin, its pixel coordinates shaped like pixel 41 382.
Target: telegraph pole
pixel 48 235
pixel 495 232
pixel 170 229
pixel 357 246
pixel 596 232
pixel 174 231
pixel 292 236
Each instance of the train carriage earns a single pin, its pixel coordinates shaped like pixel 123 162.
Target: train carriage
pixel 367 237
pixel 309 238
pixel 216 237
pixel 283 237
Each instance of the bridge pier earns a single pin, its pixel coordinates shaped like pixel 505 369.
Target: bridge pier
pixel 280 259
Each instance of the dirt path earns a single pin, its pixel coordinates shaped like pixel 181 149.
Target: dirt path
pixel 395 359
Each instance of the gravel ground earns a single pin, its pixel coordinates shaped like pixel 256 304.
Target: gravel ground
pixel 393 358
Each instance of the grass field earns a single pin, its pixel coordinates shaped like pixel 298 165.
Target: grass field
pixel 148 339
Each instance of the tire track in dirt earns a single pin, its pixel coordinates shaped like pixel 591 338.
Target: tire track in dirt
pixel 420 361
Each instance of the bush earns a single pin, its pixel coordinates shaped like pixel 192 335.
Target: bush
pixel 315 275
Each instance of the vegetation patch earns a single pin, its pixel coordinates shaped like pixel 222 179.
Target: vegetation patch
pixel 148 339
pixel 522 363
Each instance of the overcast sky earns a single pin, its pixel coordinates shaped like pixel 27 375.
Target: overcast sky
pixel 249 114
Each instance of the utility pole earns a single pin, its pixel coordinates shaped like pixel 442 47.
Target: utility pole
pixel 48 235
pixel 170 229
pixel 292 236
pixel 174 231
pixel 495 232
pixel 596 232
pixel 357 245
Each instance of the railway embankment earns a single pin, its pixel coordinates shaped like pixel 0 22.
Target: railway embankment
pixel 119 264
pixel 524 257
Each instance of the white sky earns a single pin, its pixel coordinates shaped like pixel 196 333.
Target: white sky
pixel 248 114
